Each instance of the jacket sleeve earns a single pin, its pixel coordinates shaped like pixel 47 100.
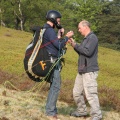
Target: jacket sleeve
pixel 87 48
pixel 58 43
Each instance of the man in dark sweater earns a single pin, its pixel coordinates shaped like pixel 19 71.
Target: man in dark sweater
pixel 85 82
pixel 54 44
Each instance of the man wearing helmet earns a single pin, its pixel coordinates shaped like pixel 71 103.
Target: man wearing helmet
pixel 56 44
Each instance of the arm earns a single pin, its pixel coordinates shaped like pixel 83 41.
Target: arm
pixel 87 46
pixel 58 43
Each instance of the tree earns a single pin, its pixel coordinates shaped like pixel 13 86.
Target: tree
pixel 109 30
pixel 25 13
pixel 110 23
pixel 19 17
pixel 85 9
pixel 3 12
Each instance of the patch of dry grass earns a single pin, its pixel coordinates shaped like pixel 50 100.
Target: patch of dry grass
pixel 23 105
pixel 109 98
pixel 13 45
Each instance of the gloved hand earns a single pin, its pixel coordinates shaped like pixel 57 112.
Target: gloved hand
pixel 61 32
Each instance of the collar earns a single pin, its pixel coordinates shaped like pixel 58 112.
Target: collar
pixel 47 26
pixel 88 34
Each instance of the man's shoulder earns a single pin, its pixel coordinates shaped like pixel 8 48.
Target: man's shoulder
pixel 93 36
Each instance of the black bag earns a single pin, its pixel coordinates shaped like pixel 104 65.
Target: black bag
pixel 37 60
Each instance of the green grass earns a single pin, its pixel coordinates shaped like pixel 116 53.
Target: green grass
pixel 14 42
pixel 12 50
pixel 12 47
pixel 109 62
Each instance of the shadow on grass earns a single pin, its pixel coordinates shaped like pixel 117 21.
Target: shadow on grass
pixel 66 110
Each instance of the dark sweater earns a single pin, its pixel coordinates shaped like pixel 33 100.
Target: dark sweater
pixel 51 41
pixel 88 54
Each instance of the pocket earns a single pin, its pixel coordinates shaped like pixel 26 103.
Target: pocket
pixel 92 89
pixel 83 68
pixel 91 79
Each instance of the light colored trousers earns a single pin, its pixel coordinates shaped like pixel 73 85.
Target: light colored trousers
pixel 86 84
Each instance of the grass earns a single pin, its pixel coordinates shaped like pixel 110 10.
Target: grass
pixel 20 105
pixel 109 62
pixel 12 49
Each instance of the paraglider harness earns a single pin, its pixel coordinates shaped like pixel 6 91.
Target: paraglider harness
pixel 38 64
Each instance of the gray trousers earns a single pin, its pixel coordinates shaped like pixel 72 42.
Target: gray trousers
pixel 86 84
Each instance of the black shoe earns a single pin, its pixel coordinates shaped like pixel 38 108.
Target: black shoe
pixel 77 114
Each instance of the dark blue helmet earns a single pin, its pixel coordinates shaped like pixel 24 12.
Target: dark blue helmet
pixel 52 16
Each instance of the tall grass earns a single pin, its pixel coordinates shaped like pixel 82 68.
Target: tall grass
pixel 12 48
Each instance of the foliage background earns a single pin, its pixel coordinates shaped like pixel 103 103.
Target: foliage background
pixel 103 15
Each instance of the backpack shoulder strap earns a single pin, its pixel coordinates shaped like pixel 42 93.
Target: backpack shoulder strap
pixel 35 51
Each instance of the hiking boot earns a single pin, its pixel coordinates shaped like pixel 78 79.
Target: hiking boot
pixel 77 114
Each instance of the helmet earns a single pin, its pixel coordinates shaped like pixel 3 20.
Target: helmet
pixel 52 16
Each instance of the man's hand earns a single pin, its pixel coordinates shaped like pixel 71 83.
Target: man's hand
pixel 72 42
pixel 70 34
pixel 61 32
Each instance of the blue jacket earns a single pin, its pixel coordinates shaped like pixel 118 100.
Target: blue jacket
pixel 51 41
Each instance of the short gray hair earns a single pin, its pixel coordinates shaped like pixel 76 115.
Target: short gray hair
pixel 85 23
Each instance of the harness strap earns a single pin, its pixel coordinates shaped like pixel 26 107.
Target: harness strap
pixel 51 68
pixel 34 53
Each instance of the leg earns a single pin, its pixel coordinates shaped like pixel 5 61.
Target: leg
pixel 51 109
pixel 78 95
pixel 90 87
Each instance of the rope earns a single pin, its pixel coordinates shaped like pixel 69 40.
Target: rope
pixel 8 82
pixel 46 77
pixel 37 85
pixel 43 46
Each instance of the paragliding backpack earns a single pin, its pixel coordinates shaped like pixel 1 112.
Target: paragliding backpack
pixel 37 61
